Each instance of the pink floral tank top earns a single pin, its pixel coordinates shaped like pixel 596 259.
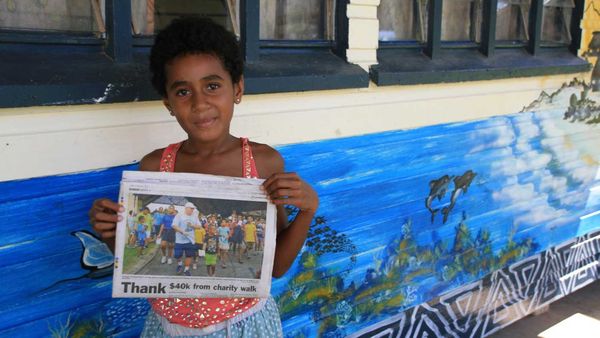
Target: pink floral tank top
pixel 203 312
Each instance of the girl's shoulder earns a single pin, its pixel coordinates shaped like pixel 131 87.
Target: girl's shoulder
pixel 268 160
pixel 151 162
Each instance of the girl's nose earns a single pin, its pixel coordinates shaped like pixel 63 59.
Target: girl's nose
pixel 199 101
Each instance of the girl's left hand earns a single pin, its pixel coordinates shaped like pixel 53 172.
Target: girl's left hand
pixel 290 189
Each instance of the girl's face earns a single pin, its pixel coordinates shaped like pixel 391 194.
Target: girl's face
pixel 201 95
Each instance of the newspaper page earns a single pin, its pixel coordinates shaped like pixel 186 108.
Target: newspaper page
pixel 193 235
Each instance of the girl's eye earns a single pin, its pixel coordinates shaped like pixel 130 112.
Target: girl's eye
pixel 182 92
pixel 213 86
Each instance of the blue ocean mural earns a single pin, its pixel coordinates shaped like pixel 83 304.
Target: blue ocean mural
pixel 407 218
pixel 430 210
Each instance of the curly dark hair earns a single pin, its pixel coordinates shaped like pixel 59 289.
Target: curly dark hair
pixel 192 35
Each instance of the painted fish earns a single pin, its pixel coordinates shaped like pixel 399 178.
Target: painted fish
pixel 437 188
pixel 461 184
pixel 96 254
pixel 96 258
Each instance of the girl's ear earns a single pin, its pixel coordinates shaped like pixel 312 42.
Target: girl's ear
pixel 168 106
pixel 238 90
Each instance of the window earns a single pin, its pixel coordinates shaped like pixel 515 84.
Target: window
pixel 461 20
pixel 297 45
pixel 74 52
pixel 425 41
pixel 296 20
pixel 404 20
pixel 150 16
pixel 52 16
pixel 512 22
pixel 556 26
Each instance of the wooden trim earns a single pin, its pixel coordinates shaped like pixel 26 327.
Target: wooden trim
pixel 535 26
pixel 118 30
pixel 250 29
pixel 576 18
pixel 488 28
pixel 434 29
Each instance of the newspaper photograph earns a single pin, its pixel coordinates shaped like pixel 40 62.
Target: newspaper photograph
pixel 193 235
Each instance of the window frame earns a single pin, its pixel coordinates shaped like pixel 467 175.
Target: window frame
pixel 441 61
pixel 324 66
pixel 82 68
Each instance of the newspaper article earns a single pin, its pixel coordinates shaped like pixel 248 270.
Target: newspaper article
pixel 193 235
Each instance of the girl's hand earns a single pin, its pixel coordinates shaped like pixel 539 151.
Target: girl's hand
pixel 290 189
pixel 104 218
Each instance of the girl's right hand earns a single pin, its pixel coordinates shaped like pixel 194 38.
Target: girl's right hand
pixel 104 217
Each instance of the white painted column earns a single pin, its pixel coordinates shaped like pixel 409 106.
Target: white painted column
pixel 363 32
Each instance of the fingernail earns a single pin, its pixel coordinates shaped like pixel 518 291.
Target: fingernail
pixel 120 218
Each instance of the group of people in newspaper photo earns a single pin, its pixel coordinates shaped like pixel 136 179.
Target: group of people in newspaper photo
pixel 168 241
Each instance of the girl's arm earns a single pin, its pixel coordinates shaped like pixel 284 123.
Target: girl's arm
pixel 289 189
pixel 290 238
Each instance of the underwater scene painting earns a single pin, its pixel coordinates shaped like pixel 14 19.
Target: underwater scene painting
pixel 406 217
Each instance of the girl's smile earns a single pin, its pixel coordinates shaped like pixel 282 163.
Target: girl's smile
pixel 206 122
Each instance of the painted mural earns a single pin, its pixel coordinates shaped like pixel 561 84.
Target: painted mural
pixel 452 230
pixel 407 219
pixel 437 208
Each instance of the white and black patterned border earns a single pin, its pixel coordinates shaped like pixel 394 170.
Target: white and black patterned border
pixel 479 309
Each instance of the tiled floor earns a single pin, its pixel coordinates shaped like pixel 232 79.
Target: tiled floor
pixel 561 320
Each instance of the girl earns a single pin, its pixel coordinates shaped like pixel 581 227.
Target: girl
pixel 224 242
pixel 210 258
pixel 197 68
